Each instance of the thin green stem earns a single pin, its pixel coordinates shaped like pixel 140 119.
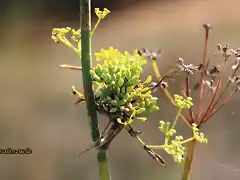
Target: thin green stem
pixel 86 56
pixel 95 27
pixel 177 116
pixel 189 158
pixel 67 43
pixel 156 146
pixel 187 140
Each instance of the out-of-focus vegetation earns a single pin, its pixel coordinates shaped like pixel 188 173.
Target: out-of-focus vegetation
pixel 37 109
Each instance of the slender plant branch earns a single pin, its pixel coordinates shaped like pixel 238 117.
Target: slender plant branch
pixel 189 158
pixel 175 121
pixel 95 26
pixel 85 23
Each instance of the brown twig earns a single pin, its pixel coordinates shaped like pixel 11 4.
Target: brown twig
pixel 207 27
pixel 229 98
pixel 70 67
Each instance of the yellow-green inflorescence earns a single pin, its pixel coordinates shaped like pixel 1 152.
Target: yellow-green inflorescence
pixel 72 37
pixel 119 92
pixel 61 35
pixel 174 145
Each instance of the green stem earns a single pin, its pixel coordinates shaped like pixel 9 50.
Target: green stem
pixel 189 158
pixel 67 43
pixel 187 140
pixel 85 23
pixel 103 165
pixel 177 116
pixel 95 27
pixel 156 146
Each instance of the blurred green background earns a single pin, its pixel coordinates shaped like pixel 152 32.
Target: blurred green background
pixel 36 106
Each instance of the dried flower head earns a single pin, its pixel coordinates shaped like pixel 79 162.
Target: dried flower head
pixel 150 54
pixel 190 69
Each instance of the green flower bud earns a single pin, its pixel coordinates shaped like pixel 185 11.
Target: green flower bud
pixel 154 108
pixel 134 80
pixel 129 89
pixel 116 98
pixel 122 108
pixel 113 83
pixel 128 73
pixel 149 79
pixel 113 110
pixel 168 124
pixel 162 123
pixel 119 121
pixel 171 132
pixel 140 111
pixel 123 72
pixel 127 109
pixel 107 78
pixel 97 78
pixel 118 90
pixel 121 102
pixel 123 90
pixel 92 72
pixel 142 118
pixel 98 69
pixel 118 75
pixel 126 96
pixel 114 102
pixel 142 104
pixel 194 125
pixel 120 82
pixel 109 99
pixel 105 107
pixel 114 77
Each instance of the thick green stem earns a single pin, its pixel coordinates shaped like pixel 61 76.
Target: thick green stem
pixel 85 23
pixel 103 165
pixel 188 161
